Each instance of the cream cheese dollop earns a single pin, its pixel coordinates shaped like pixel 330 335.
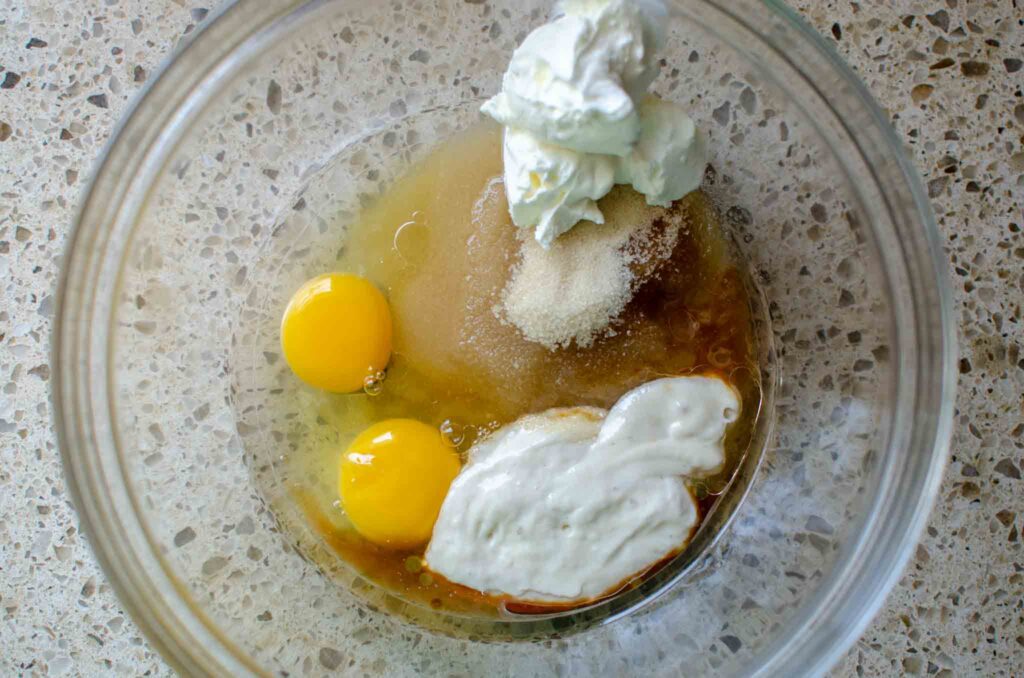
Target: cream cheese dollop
pixel 553 188
pixel 573 81
pixel 565 505
pixel 574 104
pixel 668 159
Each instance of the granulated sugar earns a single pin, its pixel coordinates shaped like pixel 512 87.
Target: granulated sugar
pixel 572 292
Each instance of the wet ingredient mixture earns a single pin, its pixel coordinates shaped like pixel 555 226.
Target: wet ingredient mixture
pixel 441 248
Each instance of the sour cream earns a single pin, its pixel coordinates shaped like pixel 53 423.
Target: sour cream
pixel 565 505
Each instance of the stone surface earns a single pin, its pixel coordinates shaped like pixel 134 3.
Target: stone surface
pixel 947 72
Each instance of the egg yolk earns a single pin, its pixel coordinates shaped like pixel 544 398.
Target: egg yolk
pixel 336 332
pixel 393 479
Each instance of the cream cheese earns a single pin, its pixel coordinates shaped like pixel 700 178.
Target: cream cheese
pixel 668 159
pixel 577 117
pixel 572 82
pixel 551 187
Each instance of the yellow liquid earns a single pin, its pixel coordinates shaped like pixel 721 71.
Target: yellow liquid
pixel 440 244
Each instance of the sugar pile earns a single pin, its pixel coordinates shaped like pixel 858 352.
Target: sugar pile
pixel 573 291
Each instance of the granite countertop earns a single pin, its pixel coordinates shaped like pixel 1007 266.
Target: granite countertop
pixel 949 73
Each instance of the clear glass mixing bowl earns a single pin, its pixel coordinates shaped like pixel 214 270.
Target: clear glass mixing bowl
pixel 231 181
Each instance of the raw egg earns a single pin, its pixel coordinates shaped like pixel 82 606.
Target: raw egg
pixel 393 479
pixel 336 332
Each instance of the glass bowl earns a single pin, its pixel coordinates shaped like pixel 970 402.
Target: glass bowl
pixel 232 180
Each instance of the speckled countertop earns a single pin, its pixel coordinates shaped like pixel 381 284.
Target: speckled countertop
pixel 949 72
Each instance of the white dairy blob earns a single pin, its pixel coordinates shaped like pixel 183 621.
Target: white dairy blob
pixel 573 104
pixel 551 187
pixel 668 159
pixel 572 82
pixel 565 505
